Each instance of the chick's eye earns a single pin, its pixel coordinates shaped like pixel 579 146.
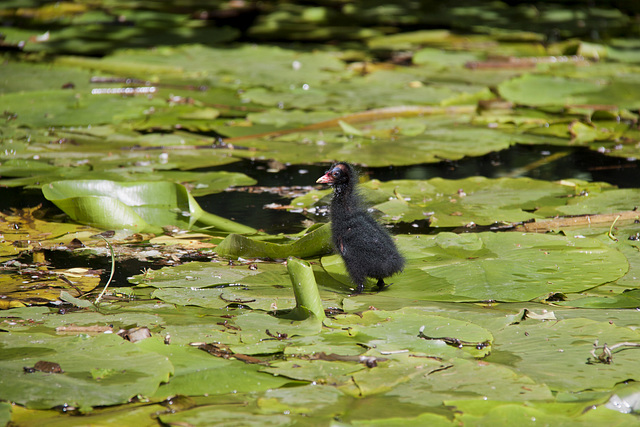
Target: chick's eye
pixel 335 173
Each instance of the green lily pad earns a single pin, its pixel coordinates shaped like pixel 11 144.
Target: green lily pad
pixel 488 413
pixel 497 266
pixel 70 108
pixel 414 330
pixel 369 92
pixel 302 400
pixel 107 152
pixel 630 299
pixel 253 327
pixel 227 414
pixel 5 412
pixel 470 379
pixel 134 371
pixel 542 90
pixel 197 372
pixel 427 139
pixel 139 206
pixel 560 360
pixel 611 201
pixel 37 77
pixel 315 370
pixel 279 67
pixel 195 275
pixel 399 369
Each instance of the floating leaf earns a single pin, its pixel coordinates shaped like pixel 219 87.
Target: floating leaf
pixel 542 90
pixel 146 206
pixel 257 327
pixel 615 200
pixel 194 275
pixel 197 372
pixel 279 67
pixel 68 108
pixel 5 412
pixel 486 413
pixel 561 361
pixel 630 299
pixel 470 379
pixel 225 414
pixel 497 266
pixel 136 372
pixel 33 174
pixel 414 330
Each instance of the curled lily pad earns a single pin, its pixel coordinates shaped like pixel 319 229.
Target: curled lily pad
pixel 146 206
pixel 315 242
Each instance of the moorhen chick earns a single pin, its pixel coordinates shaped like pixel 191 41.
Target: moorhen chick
pixel 365 246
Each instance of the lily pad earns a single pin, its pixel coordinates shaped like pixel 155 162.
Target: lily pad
pixel 561 361
pixel 279 67
pixel 541 90
pixel 497 266
pixel 465 379
pixel 615 200
pixel 197 372
pixel 107 152
pixel 35 173
pixel 194 275
pixel 630 299
pixel 132 370
pixel 225 414
pixel 428 139
pixel 418 332
pixel 487 413
pixel 139 206
pixel 66 108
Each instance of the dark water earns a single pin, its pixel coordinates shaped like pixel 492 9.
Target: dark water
pixel 247 208
pixel 578 164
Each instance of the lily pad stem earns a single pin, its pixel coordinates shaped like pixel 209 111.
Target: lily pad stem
pixel 611 236
pixel 113 269
pixel 210 220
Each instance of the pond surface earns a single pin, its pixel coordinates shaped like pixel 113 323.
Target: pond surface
pixel 576 164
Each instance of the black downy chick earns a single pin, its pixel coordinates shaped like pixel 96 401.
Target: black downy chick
pixel 365 246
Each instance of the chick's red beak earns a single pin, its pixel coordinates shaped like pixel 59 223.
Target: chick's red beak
pixel 325 179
